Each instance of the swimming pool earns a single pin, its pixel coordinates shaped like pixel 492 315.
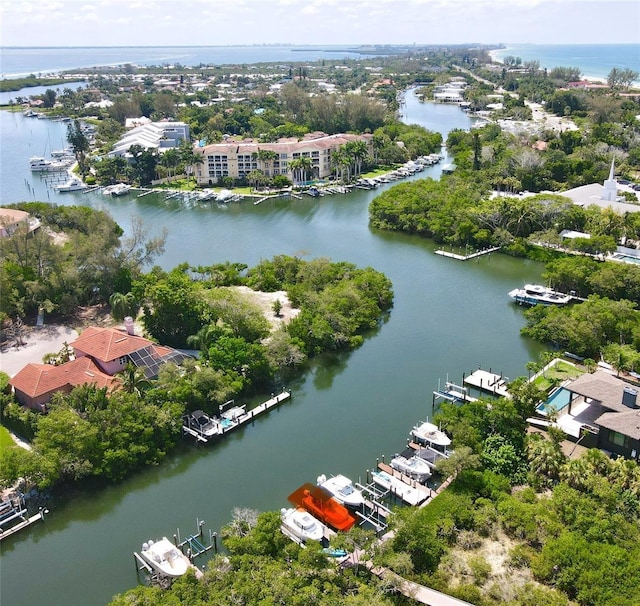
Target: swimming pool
pixel 625 258
pixel 558 400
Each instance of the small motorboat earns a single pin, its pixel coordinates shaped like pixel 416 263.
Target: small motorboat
pixel 414 467
pixel 164 557
pixel 428 433
pixel 302 524
pixel 320 503
pixel 342 489
pixel 120 189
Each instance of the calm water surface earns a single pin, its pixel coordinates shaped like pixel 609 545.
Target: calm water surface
pixel 448 318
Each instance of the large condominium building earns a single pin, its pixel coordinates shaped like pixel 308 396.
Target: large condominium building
pixel 236 159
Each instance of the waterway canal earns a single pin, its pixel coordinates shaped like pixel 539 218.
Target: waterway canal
pixel 449 317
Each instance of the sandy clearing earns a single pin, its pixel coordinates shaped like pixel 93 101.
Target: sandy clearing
pixel 38 342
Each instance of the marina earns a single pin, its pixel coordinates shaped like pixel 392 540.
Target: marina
pixel 332 398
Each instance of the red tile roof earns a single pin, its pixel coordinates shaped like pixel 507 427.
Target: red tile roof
pixel 107 344
pixel 38 379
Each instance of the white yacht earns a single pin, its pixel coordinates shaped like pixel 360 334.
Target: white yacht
pixel 536 294
pixel 414 467
pixel 302 524
pixel 428 433
pixel 39 164
pixel 73 184
pixel 342 489
pixel 164 557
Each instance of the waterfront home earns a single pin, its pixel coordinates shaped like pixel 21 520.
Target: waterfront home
pixel 100 353
pixel 11 219
pixel 112 349
pixel 236 159
pixel 35 384
pixel 602 411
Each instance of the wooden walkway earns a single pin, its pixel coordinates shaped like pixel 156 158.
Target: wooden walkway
pixel 475 255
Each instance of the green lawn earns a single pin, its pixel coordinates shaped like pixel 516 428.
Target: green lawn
pixel 559 372
pixel 5 439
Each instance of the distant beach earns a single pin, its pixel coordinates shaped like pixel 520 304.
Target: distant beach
pixel 594 61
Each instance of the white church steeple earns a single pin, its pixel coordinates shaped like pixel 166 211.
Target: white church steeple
pixel 610 192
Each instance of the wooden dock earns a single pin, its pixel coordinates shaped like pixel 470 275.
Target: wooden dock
pixel 475 255
pixel 488 382
pixel 249 415
pixel 225 424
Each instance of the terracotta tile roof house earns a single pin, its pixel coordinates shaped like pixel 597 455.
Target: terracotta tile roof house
pixel 36 383
pixel 100 353
pixel 112 349
pixel 12 218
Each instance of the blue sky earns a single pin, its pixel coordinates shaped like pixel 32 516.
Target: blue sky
pixel 226 22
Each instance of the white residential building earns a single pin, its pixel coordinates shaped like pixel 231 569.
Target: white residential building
pixel 155 135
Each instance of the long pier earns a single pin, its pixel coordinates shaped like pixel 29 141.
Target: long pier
pixel 475 255
pixel 228 422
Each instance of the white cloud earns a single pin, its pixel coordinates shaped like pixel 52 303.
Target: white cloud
pixel 220 22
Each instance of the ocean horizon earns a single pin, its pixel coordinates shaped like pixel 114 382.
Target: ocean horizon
pixel 593 60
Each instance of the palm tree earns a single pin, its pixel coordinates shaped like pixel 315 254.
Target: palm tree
pixel 170 160
pixel 299 168
pixel 357 151
pixel 545 459
pixel 123 305
pixel 576 474
pixel 266 158
pixel 256 178
pixel 133 379
pixel 189 157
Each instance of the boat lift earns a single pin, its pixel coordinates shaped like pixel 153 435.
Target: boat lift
pixel 195 547
pixel 373 511
pixel 194 542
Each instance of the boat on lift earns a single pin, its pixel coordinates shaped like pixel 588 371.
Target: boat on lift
pixel 302 524
pixel 429 433
pixel 321 504
pixel 72 184
pixel 414 467
pixel 164 557
pixel 342 489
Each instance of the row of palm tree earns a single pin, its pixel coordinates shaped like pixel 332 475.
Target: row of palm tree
pixel 347 159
